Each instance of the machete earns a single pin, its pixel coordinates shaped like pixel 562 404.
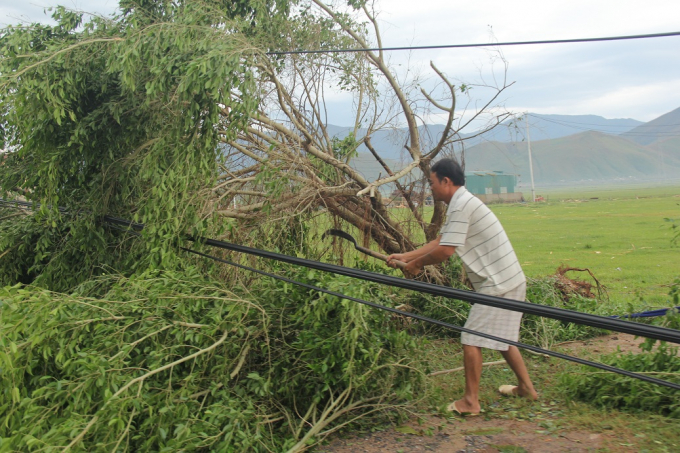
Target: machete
pixel 341 234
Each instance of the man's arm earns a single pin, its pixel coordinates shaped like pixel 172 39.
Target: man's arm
pixel 413 254
pixel 436 255
pixel 430 253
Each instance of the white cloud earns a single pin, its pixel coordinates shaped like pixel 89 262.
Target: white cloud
pixel 625 98
pixel 12 13
pixel 560 78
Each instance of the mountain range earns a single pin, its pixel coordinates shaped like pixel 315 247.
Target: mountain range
pixel 565 148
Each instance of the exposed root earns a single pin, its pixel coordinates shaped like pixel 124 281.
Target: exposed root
pixel 568 287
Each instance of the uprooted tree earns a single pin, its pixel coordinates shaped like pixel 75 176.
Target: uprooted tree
pixel 286 161
pixel 128 121
pixel 181 115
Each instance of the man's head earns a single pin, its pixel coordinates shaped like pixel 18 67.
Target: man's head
pixel 446 176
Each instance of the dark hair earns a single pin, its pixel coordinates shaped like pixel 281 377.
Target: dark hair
pixel 449 168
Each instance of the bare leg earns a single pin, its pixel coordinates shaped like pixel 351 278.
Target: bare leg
pixel 524 386
pixel 472 360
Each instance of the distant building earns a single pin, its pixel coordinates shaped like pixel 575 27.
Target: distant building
pixel 493 186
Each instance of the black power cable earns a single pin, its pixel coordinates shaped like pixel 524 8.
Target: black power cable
pixel 561 314
pixel 490 44
pixel 565 315
pixel 600 322
pixel 559 355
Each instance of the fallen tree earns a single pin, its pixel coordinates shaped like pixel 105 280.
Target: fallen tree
pixel 287 161
pixel 169 360
pixel 178 115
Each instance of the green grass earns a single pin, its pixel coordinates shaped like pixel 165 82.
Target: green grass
pixel 623 241
pixel 629 190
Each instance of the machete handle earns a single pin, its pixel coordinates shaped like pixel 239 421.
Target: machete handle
pixel 380 256
pixel 339 233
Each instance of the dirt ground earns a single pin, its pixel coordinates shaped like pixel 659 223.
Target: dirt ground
pixel 469 435
pixel 605 344
pixel 484 434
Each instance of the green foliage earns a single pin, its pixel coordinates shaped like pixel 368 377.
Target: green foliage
pixel 611 390
pixel 545 332
pixel 168 361
pixel 120 116
pixel 67 357
pixel 125 117
pixel 335 341
pixel 346 148
pixel 452 311
pixel 59 254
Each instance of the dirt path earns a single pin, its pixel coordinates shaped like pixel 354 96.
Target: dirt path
pixel 605 344
pixel 492 433
pixel 473 434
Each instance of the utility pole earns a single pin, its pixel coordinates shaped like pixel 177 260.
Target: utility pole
pixel 531 166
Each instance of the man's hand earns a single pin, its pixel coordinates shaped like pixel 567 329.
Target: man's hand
pixel 395 257
pixel 413 267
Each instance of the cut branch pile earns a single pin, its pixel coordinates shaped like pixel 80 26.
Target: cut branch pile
pixel 171 362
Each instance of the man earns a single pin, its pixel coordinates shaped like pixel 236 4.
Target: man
pixel 473 232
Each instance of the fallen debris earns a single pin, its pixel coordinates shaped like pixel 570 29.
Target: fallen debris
pixel 568 286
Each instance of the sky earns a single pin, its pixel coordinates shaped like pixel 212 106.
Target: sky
pixel 637 79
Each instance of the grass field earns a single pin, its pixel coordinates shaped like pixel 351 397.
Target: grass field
pixel 623 190
pixel 622 238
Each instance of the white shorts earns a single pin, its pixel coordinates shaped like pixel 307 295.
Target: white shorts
pixel 495 321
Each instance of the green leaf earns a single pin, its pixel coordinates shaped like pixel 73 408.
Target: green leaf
pixel 405 429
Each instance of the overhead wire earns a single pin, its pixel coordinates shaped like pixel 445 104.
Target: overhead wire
pixel 446 325
pixel 497 44
pixel 561 314
pixel 655 332
pixel 490 44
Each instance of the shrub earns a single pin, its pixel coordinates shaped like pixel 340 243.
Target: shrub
pixel 546 332
pixel 58 255
pixel 617 391
pixel 169 361
pixel 611 390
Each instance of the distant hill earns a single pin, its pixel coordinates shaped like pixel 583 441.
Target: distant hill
pixel 642 151
pixel 664 128
pixel 390 143
pixel 546 127
pixel 588 156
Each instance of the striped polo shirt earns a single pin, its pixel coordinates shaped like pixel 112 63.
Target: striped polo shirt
pixel 481 243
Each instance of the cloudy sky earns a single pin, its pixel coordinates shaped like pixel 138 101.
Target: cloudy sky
pixel 637 79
